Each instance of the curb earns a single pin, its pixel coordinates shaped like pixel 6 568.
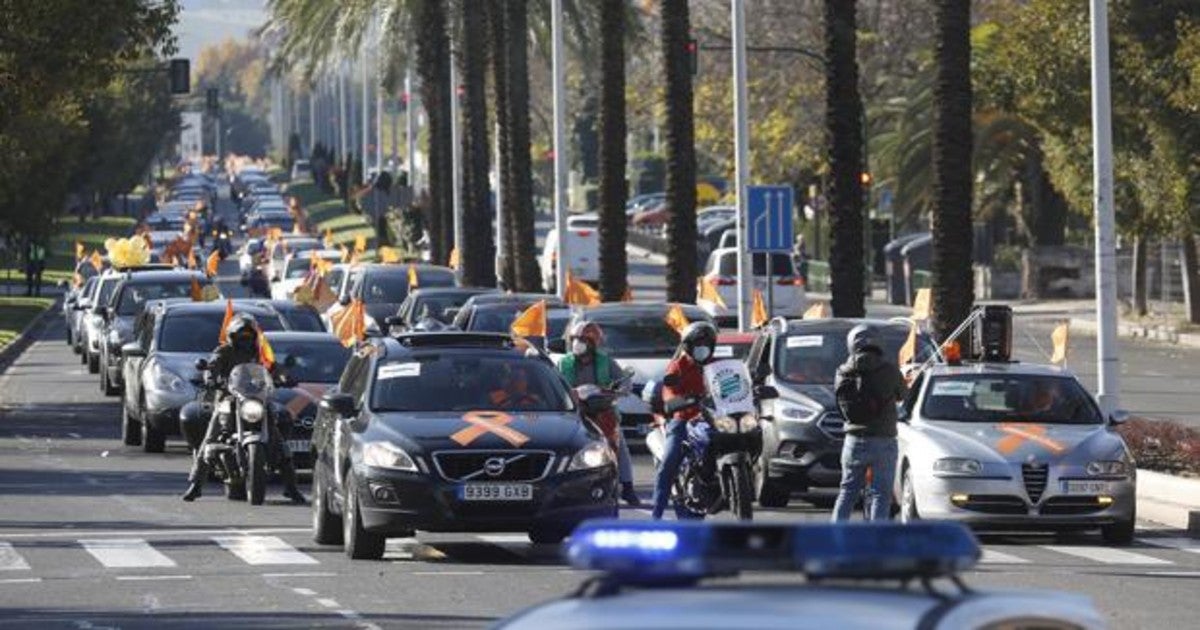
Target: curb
pixel 14 349
pixel 1163 334
pixel 1160 499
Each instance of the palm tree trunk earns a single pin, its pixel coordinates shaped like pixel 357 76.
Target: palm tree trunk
pixel 479 247
pixel 613 263
pixel 953 282
pixel 433 66
pixel 843 123
pixel 681 153
pixel 522 240
pixel 499 58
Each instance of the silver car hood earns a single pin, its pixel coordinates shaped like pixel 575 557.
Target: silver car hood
pixel 1019 442
pixel 181 363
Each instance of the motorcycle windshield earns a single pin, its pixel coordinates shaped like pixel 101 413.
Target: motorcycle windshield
pixel 251 380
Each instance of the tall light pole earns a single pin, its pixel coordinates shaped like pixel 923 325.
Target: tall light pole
pixel 343 127
pixel 560 146
pixel 410 127
pixel 366 114
pixel 1108 365
pixel 741 140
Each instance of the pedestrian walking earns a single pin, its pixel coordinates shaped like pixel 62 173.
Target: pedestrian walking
pixel 35 264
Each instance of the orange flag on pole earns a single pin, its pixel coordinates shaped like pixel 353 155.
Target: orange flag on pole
pixel 97 261
pixel 531 322
pixel 579 292
pixel 708 292
pixel 328 238
pixel 210 265
pixel 820 310
pixel 349 324
pixel 196 291
pixel 78 251
pixel 1061 337
pixel 413 281
pixel 759 316
pixel 922 305
pixel 909 350
pixel 676 319
pixel 360 244
pixel 345 253
pixel 454 261
pixel 266 354
pixel 223 337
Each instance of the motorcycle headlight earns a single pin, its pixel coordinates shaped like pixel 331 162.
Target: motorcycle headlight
pixel 387 455
pixel 253 411
pixel 800 413
pixel 957 466
pixel 594 455
pixel 168 381
pixel 1107 468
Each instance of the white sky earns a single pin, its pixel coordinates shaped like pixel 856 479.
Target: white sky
pixel 204 22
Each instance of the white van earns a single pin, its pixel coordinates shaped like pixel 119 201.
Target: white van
pixel 787 292
pixel 583 251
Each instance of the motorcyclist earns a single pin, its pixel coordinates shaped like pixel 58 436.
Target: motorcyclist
pixel 587 364
pixel 684 379
pixel 242 347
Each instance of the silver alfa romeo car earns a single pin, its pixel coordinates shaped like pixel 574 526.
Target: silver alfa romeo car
pixel 1013 445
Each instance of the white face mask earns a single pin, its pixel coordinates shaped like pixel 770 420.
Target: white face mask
pixel 579 347
pixel 701 354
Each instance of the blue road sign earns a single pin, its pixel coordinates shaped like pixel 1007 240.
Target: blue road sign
pixel 769 220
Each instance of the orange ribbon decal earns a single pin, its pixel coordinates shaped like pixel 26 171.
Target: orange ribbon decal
pixel 484 422
pixel 1019 433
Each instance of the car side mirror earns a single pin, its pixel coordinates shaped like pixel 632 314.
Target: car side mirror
pixel 1118 417
pixel 132 349
pixel 558 345
pixel 766 392
pixel 340 404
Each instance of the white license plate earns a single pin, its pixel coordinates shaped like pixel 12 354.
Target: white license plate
pixel 299 446
pixel 1084 487
pixel 495 492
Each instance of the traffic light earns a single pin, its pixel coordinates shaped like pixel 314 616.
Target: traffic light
pixel 693 53
pixel 181 76
pixel 212 100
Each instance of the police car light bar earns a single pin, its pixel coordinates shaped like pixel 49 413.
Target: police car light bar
pixel 657 552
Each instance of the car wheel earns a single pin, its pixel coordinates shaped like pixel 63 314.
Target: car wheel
pixel 327 527
pixel 70 337
pixel 93 363
pixel 153 440
pixel 359 543
pixel 131 430
pixel 1121 532
pixel 107 386
pixel 908 499
pixel 548 534
pixel 83 353
pixel 769 494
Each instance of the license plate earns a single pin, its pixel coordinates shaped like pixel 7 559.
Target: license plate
pixel 496 492
pixel 299 446
pixel 1084 487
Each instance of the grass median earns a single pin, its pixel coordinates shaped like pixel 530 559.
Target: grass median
pixel 327 213
pixel 17 312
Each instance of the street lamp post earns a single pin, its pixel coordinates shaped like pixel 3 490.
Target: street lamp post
pixel 1108 368
pixel 560 146
pixel 741 139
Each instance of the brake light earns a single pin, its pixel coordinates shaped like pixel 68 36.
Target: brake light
pixel 721 281
pixel 584 233
pixel 790 281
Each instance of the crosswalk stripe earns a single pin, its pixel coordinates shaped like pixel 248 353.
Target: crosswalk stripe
pixel 1182 544
pixel 125 553
pixel 1106 555
pixel 991 556
pixel 503 539
pixel 258 550
pixel 10 560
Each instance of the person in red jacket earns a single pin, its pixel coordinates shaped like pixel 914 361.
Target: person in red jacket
pixel 684 379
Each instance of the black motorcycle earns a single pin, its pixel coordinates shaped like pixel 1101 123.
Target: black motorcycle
pixel 222 243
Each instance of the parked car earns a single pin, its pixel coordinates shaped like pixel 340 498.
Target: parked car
pixel 583 250
pixel 785 296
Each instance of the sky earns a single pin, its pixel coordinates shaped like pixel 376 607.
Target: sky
pixel 204 22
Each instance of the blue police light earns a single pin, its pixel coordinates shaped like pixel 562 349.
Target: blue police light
pixel 658 552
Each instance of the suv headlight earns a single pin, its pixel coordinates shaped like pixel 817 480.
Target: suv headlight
pixel 252 411
pixel 594 455
pixel 1107 469
pixel 387 455
pixel 800 413
pixel 957 466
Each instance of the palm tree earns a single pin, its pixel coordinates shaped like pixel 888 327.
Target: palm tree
pixel 953 281
pixel 613 263
pixel 519 164
pixel 681 152
pixel 843 123
pixel 499 57
pixel 479 248
pixel 433 67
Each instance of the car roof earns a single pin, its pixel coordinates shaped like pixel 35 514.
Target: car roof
pixel 723 251
pixel 640 309
pixel 289 336
pixel 287 305
pixel 836 324
pixel 402 268
pixel 435 291
pixel 405 344
pixel 309 253
pixel 988 367
pixel 216 306
pixel 519 298
pixel 163 275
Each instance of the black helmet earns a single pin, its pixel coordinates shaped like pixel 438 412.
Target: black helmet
pixel 699 335
pixel 243 331
pixel 862 337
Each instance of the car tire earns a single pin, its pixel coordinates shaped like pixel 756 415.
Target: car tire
pixel 153 440
pixel 131 430
pixel 235 491
pixel 908 499
pixel 769 494
pixel 106 385
pixel 93 363
pixel 83 353
pixel 70 337
pixel 1121 532
pixel 359 543
pixel 327 526
pixel 549 534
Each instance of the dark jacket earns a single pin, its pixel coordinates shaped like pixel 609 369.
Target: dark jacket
pixel 226 357
pixel 867 388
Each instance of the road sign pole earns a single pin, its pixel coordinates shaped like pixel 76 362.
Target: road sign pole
pixel 560 146
pixel 741 139
pixel 1108 368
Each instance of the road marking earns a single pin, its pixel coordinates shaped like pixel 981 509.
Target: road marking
pixel 21 581
pixel 71 533
pixel 10 560
pixel 307 592
pixel 328 603
pixel 447 573
pixel 151 578
pixel 1106 555
pixel 502 539
pixel 299 575
pixel 1182 544
pixel 126 553
pixel 263 550
pixel 991 556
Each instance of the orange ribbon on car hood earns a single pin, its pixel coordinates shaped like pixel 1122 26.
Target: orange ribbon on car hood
pixel 1018 434
pixel 484 422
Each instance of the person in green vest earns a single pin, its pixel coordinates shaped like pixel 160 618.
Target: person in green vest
pixel 586 364
pixel 35 264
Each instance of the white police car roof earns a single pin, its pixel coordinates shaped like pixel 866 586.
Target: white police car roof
pixel 990 367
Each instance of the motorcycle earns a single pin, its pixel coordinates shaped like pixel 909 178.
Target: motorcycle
pixel 222 243
pixel 239 454
pixel 599 406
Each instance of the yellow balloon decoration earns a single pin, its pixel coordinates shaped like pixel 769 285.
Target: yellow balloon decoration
pixel 127 252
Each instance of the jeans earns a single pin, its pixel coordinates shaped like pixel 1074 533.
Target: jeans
pixel 676 431
pixel 878 454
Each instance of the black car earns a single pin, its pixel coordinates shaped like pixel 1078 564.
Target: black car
pixel 299 317
pixel 313 361
pixel 439 303
pixel 135 290
pixel 498 318
pixel 802 441
pixel 454 431
pixel 462 319
pixel 383 288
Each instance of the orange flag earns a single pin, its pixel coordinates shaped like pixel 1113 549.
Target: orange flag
pixel 1061 338
pixel 360 244
pixel 223 337
pixel 453 262
pixel 78 251
pixel 97 261
pixel 759 315
pixel 192 262
pixel 922 306
pixel 328 238
pixel 909 350
pixel 413 281
pixel 210 265
pixel 820 310
pixel 323 296
pixel 676 319
pixel 266 354
pixel 708 292
pixel 579 292
pixel 196 291
pixel 345 253
pixel 531 322
pixel 349 324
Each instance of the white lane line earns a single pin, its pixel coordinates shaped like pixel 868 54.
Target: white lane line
pixel 21 581
pixel 69 533
pixel 401 548
pixel 299 575
pixel 991 556
pixel 328 603
pixel 151 578
pixel 1182 544
pixel 263 550
pixel 10 560
pixel 447 573
pixel 503 539
pixel 1106 555
pixel 349 614
pixel 126 553
pixel 307 592
pixel 75 435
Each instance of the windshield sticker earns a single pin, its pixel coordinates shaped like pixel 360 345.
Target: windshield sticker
pixel 399 370
pixel 723 352
pixel 806 341
pixel 952 388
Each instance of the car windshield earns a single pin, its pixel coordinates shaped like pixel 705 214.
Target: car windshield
pixel 435 306
pixel 314 362
pixel 199 332
pixel 1038 398
pixel 812 358
pixel 468 382
pixel 385 288
pixel 302 319
pixel 639 336
pixel 133 296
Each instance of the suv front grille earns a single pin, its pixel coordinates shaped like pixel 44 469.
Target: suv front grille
pixel 1035 479
pixel 460 466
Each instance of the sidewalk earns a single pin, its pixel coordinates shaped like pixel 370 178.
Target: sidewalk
pixel 1082 314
